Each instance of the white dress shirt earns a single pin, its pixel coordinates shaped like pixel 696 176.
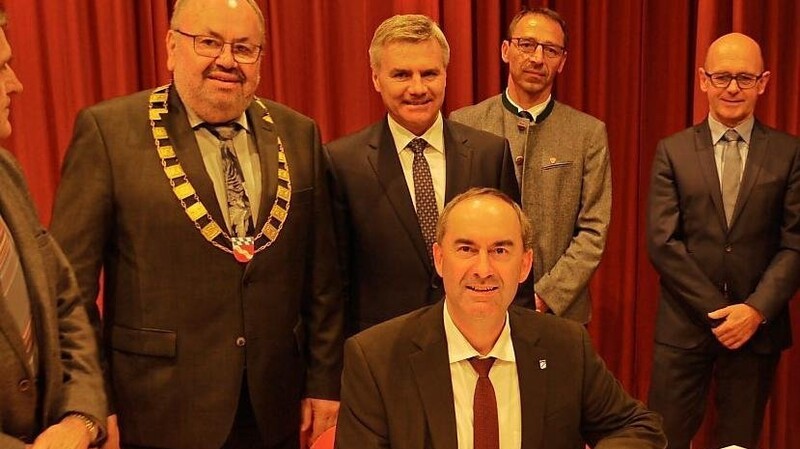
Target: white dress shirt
pixel 504 380
pixel 434 154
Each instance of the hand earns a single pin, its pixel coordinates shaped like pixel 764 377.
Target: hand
pixel 740 322
pixel 112 440
pixel 70 433
pixel 541 306
pixel 317 416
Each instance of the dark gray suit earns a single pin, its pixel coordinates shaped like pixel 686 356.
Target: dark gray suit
pixel 183 321
pixel 705 265
pixel 382 245
pixel 69 377
pixel 397 391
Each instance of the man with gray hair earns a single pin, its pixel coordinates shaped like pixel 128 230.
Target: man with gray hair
pixel 392 178
pixel 206 208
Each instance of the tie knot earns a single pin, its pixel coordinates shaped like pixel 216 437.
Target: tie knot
pixel 225 131
pixel 731 135
pixel 482 366
pixel 418 145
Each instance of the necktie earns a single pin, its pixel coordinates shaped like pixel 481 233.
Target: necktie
pixel 485 427
pixel 238 204
pixel 14 291
pixel 427 212
pixel 731 172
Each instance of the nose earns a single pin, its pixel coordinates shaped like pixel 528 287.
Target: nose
pixel 11 83
pixel 483 265
pixel 416 86
pixel 225 59
pixel 538 54
pixel 733 86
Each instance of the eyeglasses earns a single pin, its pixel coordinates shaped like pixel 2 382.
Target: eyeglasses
pixel 723 79
pixel 529 45
pixel 212 47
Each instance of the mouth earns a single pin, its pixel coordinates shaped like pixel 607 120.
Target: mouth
pixel 231 77
pixel 483 288
pixel 417 103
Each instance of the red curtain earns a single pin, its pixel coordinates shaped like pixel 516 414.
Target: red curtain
pixel 632 63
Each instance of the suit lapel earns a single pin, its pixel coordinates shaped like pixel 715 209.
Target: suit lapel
pixel 458 157
pixel 185 145
pixel 431 369
pixel 708 167
pixel 266 141
pixel 755 160
pixel 532 379
pixel 384 161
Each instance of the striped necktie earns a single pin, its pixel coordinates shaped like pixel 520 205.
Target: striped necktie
pixel 14 292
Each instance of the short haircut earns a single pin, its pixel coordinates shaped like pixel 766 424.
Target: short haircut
pixel 524 222
pixel 541 11
pixel 412 28
pixel 180 4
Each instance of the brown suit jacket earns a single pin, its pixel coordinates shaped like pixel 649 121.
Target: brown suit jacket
pixel 182 319
pixel 699 257
pixel 397 391
pixel 382 245
pixel 69 377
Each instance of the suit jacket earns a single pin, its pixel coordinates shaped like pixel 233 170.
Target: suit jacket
pixel 565 177
pixel 382 245
pixel 69 377
pixel 182 319
pixel 705 264
pixel 397 391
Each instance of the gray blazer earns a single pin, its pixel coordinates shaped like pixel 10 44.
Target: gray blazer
pixel 69 377
pixel 564 173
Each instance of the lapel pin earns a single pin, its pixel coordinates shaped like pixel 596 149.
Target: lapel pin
pixel 543 364
pixel 552 160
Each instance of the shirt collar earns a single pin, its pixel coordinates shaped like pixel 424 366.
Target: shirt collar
pixel 458 348
pixel 195 120
pixel 434 135
pixel 745 129
pixel 534 110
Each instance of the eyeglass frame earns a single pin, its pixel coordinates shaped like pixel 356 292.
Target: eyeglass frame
pixel 194 37
pixel 748 76
pixel 562 50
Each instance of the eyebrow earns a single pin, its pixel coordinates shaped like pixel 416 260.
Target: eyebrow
pixel 464 241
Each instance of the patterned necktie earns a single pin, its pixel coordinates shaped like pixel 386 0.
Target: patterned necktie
pixel 238 204
pixel 14 291
pixel 485 427
pixel 427 212
pixel 731 172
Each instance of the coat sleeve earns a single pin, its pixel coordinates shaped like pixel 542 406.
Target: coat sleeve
pixel 679 272
pixel 570 275
pixel 362 417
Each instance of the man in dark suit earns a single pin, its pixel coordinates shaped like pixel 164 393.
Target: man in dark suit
pixel 724 234
pixel 207 210
pixel 388 196
pixel 413 382
pixel 51 387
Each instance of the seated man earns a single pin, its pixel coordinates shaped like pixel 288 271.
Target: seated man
pixel 413 382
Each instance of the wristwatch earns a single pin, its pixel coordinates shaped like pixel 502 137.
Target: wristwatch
pixel 91 426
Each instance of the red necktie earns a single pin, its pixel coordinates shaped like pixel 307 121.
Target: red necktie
pixel 14 291
pixel 485 427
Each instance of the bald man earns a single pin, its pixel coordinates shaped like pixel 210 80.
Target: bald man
pixel 723 232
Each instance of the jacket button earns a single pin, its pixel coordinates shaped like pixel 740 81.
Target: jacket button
pixel 240 342
pixel 519 160
pixel 728 248
pixel 24 385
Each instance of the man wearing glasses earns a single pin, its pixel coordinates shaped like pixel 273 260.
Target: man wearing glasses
pixel 206 209
pixel 561 160
pixel 723 233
